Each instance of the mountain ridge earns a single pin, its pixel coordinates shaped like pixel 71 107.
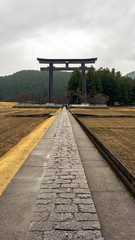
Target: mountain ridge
pixel 131 74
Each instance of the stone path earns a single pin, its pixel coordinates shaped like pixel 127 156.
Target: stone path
pixel 64 207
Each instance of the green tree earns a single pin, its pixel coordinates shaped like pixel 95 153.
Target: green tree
pixel 133 93
pixel 74 87
pixel 93 83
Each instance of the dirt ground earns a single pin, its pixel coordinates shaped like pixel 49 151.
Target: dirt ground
pixel 117 134
pixel 13 129
pixel 7 108
pixel 107 111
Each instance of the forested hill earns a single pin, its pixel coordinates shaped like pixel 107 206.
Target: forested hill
pixel 103 86
pixel 32 82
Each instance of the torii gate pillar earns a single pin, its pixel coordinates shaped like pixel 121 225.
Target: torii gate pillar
pixel 84 92
pixel 50 82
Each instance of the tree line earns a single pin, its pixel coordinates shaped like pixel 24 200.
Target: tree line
pixel 103 86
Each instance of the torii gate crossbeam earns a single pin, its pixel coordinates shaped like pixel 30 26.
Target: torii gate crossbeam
pixel 52 68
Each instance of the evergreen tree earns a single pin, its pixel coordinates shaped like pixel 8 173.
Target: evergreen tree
pixel 74 87
pixel 133 93
pixel 75 81
pixel 93 83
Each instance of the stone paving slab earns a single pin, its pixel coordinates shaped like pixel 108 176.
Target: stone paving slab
pixel 64 207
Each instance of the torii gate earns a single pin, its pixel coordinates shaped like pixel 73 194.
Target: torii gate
pixel 52 68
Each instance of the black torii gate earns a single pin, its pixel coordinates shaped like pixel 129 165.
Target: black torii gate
pixel 52 68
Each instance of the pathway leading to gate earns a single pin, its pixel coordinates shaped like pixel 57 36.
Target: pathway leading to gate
pixel 49 198
pixel 64 207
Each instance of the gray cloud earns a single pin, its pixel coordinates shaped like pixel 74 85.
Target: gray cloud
pixel 61 28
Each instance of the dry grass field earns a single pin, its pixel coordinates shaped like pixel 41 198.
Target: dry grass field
pixel 117 134
pixel 6 108
pixel 107 111
pixel 13 129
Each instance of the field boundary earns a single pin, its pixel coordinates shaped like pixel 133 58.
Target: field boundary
pixel 121 171
pixel 26 115
pixel 103 116
pixel 36 106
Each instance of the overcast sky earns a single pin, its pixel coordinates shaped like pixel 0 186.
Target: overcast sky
pixel 67 29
